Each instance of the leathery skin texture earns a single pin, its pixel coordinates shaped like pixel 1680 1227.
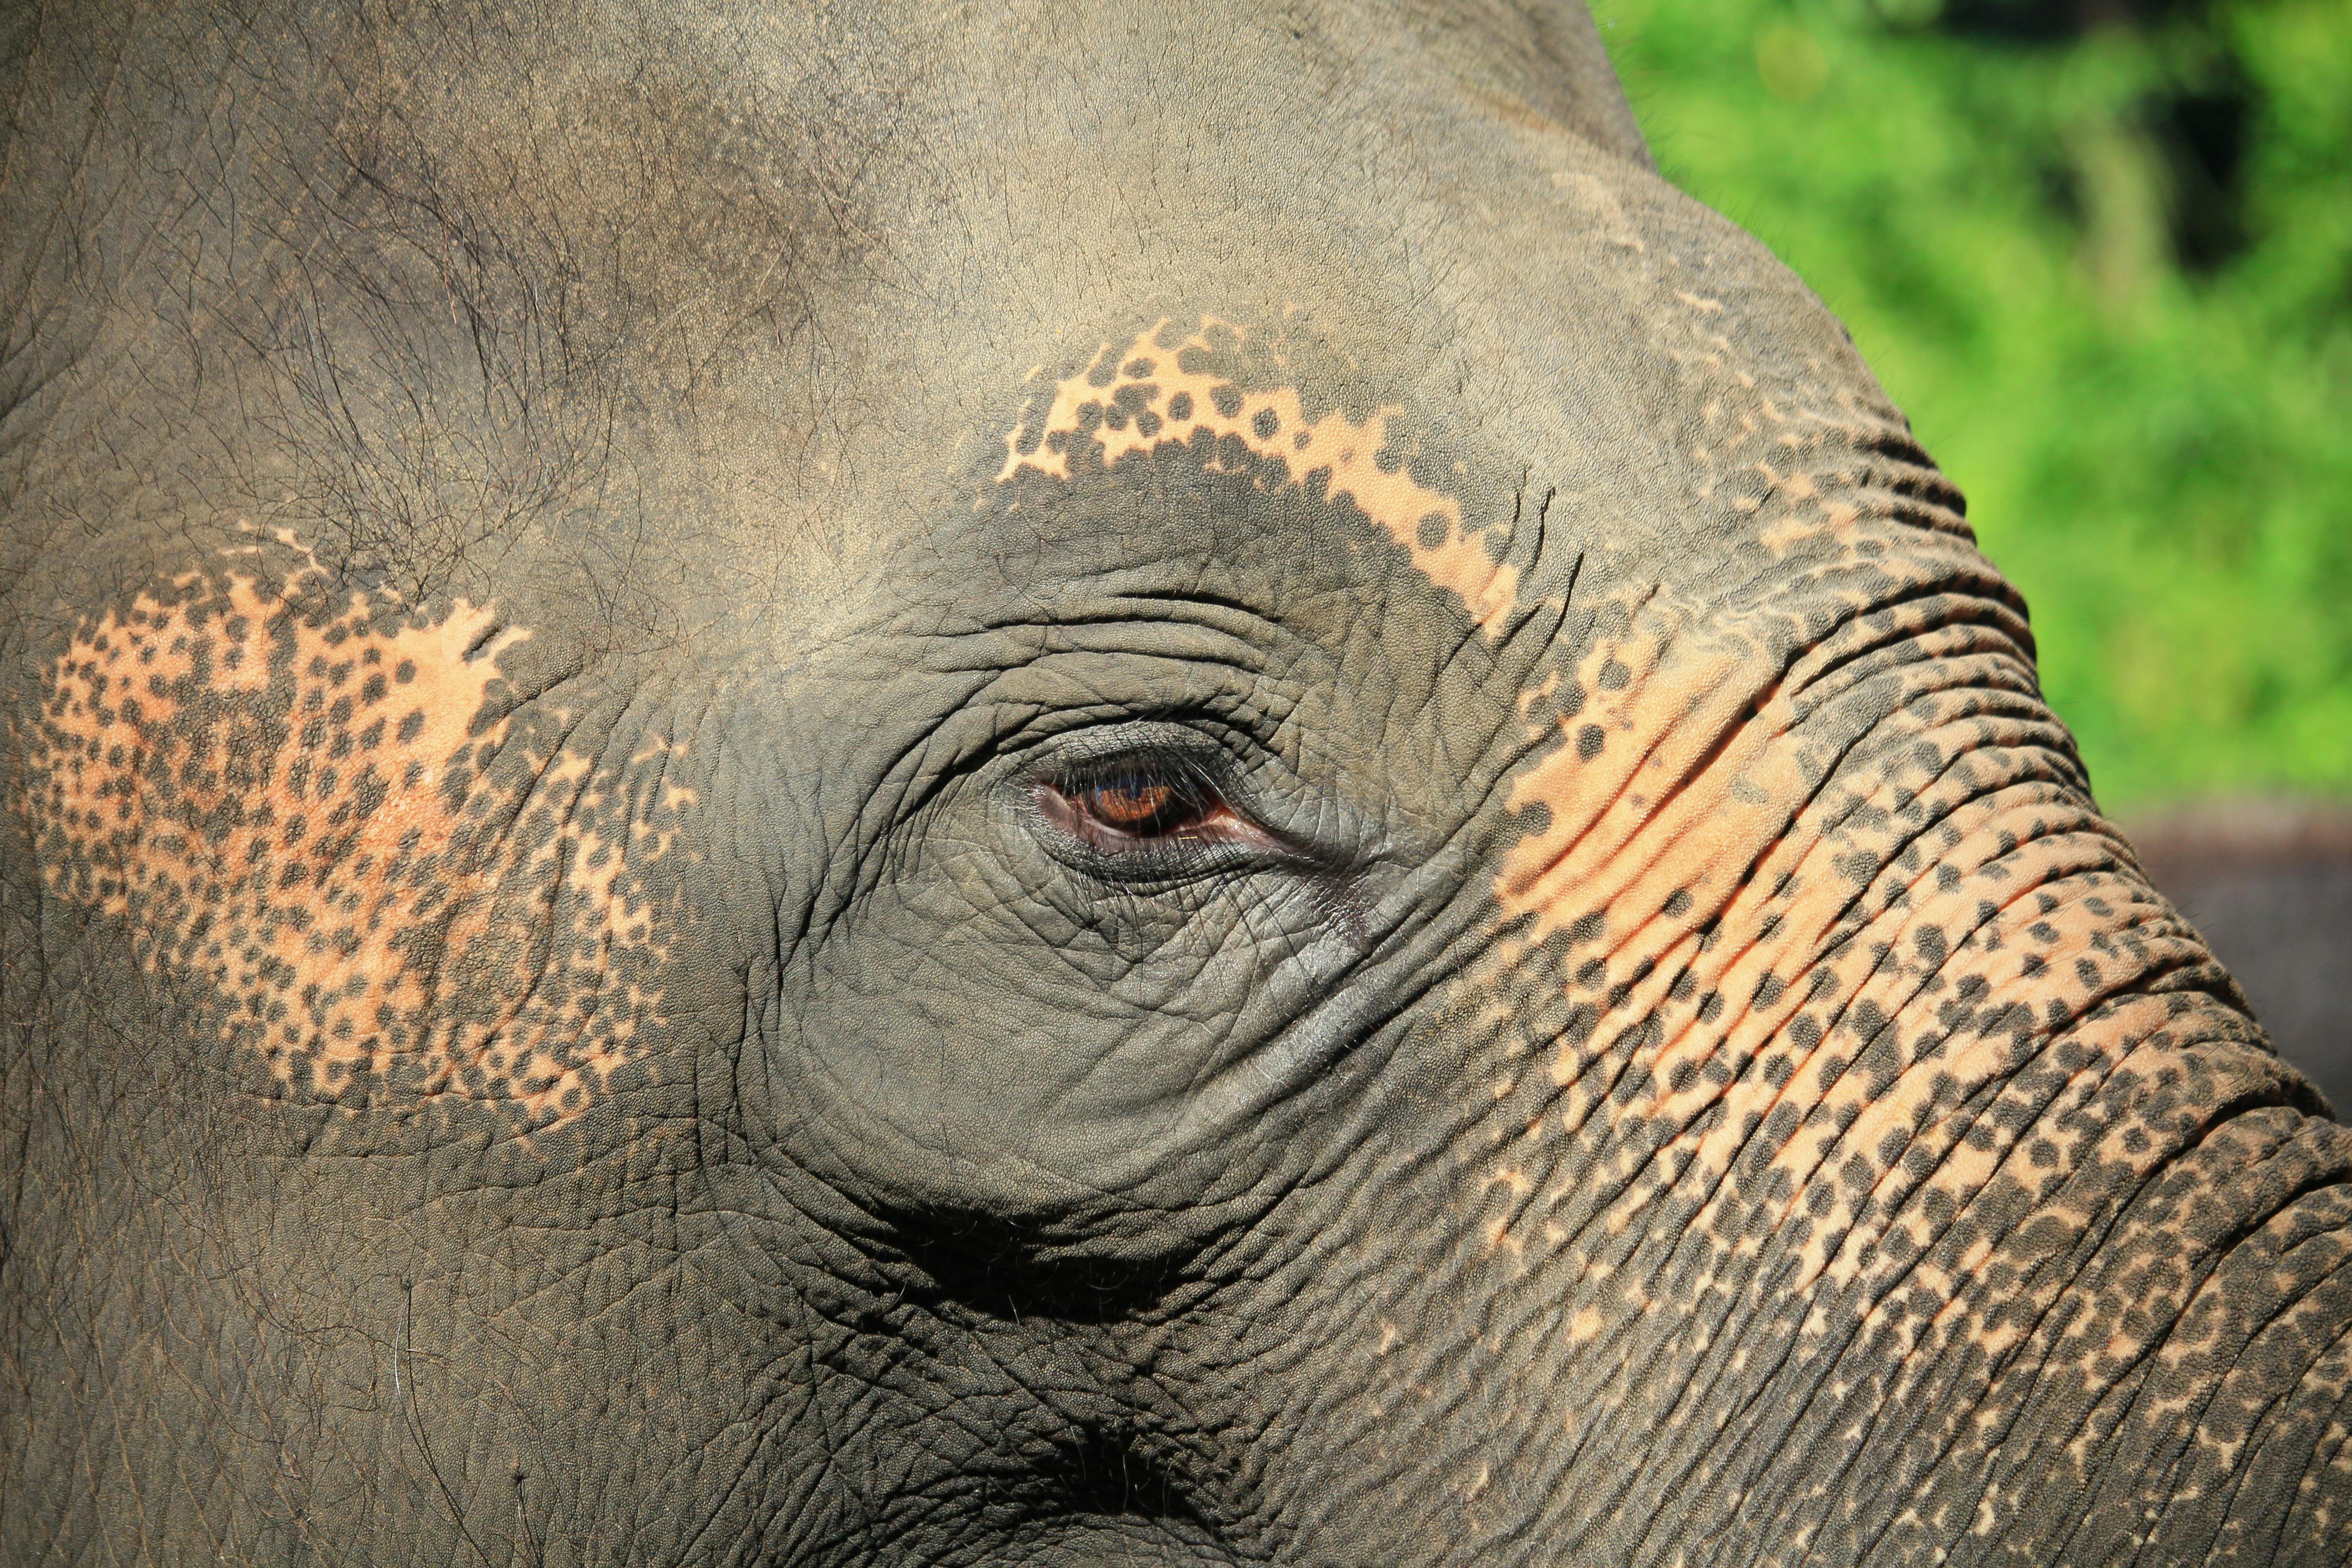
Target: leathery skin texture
pixel 1054 786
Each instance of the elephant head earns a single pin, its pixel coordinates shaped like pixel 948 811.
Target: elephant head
pixel 1042 784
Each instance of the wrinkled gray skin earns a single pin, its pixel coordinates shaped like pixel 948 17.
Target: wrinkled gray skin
pixel 577 643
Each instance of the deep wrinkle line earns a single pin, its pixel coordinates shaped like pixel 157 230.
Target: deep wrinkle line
pixel 2085 1245
pixel 2119 1209
pixel 2271 1407
pixel 1901 903
pixel 1956 1142
pixel 2070 1300
pixel 1337 1014
pixel 1606 808
pixel 1731 958
pixel 2154 1347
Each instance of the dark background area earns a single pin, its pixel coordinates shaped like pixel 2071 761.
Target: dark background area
pixel 2270 886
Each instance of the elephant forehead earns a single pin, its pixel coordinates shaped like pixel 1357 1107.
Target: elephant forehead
pixel 322 826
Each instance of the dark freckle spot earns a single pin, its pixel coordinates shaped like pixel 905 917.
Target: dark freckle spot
pixel 372 736
pixel 412 726
pixel 373 688
pixel 1146 423
pixel 1947 877
pixel 341 714
pixel 1303 439
pixel 1589 741
pixel 1930 943
pixel 1115 418
pixel 1266 423
pixel 1678 902
pixel 1180 407
pixel 2041 931
pixel 1711 1007
pixel 1102 373
pixel 2086 971
pixel 1683 1077
pixel 1769 990
pixel 1388 460
pixel 1140 368
pixel 1431 532
pixel 1228 401
pixel 1587 927
pixel 2043 1152
pixel 1614 677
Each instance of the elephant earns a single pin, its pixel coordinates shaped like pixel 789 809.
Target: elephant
pixel 863 784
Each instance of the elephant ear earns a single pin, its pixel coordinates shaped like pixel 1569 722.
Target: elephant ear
pixel 1539 58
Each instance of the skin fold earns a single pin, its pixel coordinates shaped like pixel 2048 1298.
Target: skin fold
pixel 1051 784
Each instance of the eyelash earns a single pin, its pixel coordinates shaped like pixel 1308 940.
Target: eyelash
pixel 1143 806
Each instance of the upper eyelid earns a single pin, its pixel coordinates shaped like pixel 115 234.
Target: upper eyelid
pixel 1185 780
pixel 1159 757
pixel 1189 786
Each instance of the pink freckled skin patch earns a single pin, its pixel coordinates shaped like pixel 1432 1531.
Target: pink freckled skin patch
pixel 1150 402
pixel 298 812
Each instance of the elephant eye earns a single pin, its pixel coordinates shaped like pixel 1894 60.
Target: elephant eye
pixel 1139 806
pixel 1136 806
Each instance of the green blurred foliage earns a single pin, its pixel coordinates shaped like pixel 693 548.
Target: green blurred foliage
pixel 2138 365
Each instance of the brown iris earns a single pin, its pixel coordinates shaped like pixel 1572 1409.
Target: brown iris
pixel 1130 806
